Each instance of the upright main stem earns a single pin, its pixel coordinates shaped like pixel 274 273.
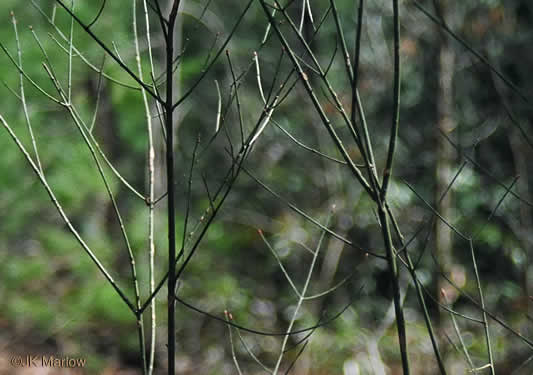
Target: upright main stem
pixel 169 119
pixel 382 195
pixel 395 280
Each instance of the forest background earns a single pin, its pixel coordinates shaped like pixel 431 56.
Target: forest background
pixel 463 147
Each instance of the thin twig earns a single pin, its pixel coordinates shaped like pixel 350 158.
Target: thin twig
pixel 23 95
pixel 482 302
pixel 387 172
pixel 458 333
pixel 301 298
pixel 64 216
pixel 109 52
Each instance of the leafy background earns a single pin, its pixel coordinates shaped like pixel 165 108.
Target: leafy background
pixel 53 300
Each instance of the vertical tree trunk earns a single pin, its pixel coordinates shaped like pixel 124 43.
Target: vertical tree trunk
pixel 444 155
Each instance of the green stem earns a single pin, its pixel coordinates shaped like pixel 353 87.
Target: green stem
pixel 387 172
pixel 171 209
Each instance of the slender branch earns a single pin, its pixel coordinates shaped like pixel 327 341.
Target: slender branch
pixel 65 218
pixel 301 297
pixel 258 77
pixel 484 170
pixel 147 362
pixel 251 353
pixel 233 355
pixel 52 23
pixel 97 17
pixel 458 333
pixel 27 77
pixel 316 103
pixel 23 95
pixel 308 148
pixel 321 323
pixel 309 218
pixel 281 266
pixel 482 302
pixel 98 96
pixel 387 172
pixel 215 58
pixel 237 100
pixel 435 212
pixel 109 52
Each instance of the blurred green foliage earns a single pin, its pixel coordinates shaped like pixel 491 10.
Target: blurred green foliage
pixel 53 297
